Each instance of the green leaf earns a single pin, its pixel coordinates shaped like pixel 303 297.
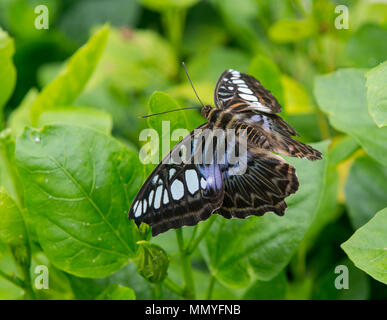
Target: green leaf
pixel 68 85
pixel 297 100
pixel 377 94
pixel 165 124
pixel 328 209
pixel 342 150
pixel 367 247
pixel 79 184
pixel 274 289
pixel 365 190
pixel 342 95
pixel 79 116
pixel 152 261
pixel 366 48
pixel 12 228
pixel 267 243
pixel 266 71
pixel 7 70
pixel 117 292
pixel 291 30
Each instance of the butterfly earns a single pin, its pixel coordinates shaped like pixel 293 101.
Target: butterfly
pixel 184 193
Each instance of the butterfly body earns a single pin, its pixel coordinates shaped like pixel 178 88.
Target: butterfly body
pixel 184 193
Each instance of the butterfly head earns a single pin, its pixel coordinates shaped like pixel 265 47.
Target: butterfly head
pixel 206 110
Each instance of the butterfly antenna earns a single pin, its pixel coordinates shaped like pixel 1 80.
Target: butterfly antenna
pixel 186 72
pixel 155 114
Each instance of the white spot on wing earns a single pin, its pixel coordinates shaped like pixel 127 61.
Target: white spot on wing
pixel 145 205
pixel 150 198
pixel 137 213
pixel 245 90
pixel 191 178
pixel 177 190
pixel 248 97
pixel 155 178
pixel 261 107
pixel 165 198
pixel 171 173
pixel 157 202
pixel 203 183
pixel 238 81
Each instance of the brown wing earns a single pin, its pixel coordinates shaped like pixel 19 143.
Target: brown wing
pixel 264 186
pixel 247 93
pixel 179 194
pixel 272 133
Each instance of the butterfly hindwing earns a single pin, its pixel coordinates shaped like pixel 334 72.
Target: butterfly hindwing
pixel 272 133
pixel 243 92
pixel 268 180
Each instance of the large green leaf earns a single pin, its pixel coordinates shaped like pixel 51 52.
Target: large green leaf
pixel 7 70
pixel 377 94
pixel 365 190
pixel 80 116
pixel 342 95
pixel 166 124
pixel 68 85
pixel 367 247
pixel 79 184
pixel 267 243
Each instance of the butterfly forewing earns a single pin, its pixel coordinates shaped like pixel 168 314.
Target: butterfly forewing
pixel 179 194
pixel 243 92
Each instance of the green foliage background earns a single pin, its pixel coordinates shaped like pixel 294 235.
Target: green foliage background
pixel 69 143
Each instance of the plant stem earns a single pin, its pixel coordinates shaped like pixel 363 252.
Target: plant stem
pixel 158 291
pixel 189 287
pixel 174 21
pixel 193 245
pixel 14 279
pixel 173 286
pixel 211 287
